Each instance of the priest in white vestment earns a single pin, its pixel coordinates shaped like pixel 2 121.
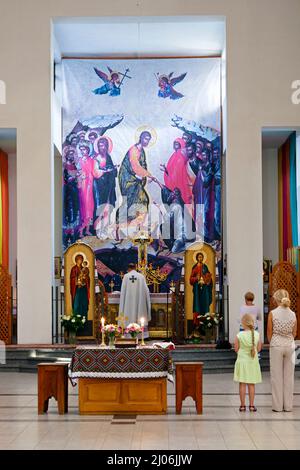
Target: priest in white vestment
pixel 135 299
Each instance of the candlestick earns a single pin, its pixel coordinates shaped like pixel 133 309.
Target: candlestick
pixel 102 329
pixel 142 325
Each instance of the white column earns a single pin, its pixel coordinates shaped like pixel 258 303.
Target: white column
pixel 34 183
pixel 244 227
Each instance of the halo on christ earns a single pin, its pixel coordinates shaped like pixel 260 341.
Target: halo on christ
pixel 198 253
pixel 146 128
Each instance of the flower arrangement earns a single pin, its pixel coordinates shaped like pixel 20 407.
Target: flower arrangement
pixel 112 330
pixel 72 322
pixel 133 329
pixel 209 320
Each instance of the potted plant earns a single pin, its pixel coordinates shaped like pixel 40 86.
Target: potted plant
pixel 71 324
pixel 207 324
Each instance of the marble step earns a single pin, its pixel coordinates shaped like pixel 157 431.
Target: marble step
pixel 215 360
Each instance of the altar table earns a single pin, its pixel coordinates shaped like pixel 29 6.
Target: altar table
pixel 113 381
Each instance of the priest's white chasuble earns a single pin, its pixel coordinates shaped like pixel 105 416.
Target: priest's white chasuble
pixel 135 299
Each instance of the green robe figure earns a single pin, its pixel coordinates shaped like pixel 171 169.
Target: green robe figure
pixel 133 176
pixel 201 280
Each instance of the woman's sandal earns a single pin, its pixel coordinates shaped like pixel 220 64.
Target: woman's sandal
pixel 252 408
pixel 242 408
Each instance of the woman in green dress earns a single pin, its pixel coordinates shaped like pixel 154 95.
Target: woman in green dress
pixel 247 369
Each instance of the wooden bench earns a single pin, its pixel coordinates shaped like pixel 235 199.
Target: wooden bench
pixel 189 384
pixel 53 382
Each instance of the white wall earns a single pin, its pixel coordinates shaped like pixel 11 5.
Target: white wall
pixel 57 204
pixel 57 97
pixel 263 38
pixel 270 204
pixel 224 99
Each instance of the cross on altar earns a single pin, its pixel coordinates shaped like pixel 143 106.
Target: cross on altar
pixel 111 285
pixel 153 276
pixel 142 239
pixel 122 319
pixel 132 279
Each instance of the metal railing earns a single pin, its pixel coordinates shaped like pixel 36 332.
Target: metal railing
pixel 57 312
pixel 13 302
pixel 221 303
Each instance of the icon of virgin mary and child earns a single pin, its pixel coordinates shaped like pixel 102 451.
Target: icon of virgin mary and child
pixel 80 286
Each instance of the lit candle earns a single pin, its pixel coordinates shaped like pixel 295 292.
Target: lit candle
pixel 142 320
pixel 102 329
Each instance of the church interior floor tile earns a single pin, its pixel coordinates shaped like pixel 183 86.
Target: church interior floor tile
pixel 221 426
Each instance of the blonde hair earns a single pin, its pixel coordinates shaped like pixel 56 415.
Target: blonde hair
pixel 282 298
pixel 248 322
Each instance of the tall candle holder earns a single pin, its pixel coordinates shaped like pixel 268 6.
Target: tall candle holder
pixel 102 345
pixel 142 321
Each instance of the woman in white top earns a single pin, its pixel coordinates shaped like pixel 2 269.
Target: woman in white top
pixel 281 331
pixel 250 309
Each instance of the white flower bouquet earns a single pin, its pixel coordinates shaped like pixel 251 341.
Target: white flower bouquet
pixel 209 320
pixel 72 322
